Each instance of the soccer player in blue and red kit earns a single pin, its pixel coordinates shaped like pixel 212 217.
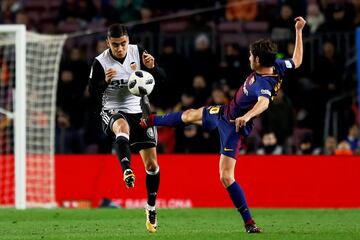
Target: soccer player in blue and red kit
pixel 234 120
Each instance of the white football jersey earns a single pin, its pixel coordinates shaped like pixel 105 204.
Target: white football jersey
pixel 117 95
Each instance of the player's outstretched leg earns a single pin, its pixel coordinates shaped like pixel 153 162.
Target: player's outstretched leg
pixel 174 119
pixel 151 219
pixel 170 120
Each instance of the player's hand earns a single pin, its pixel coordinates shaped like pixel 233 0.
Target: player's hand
pixel 240 122
pixel 148 60
pixel 109 74
pixel 300 23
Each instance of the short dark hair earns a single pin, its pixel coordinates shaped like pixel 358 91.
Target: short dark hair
pixel 266 50
pixel 117 30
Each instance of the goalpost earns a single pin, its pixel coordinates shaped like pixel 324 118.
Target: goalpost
pixel 29 65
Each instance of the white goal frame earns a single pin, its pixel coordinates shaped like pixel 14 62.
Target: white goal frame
pixel 19 112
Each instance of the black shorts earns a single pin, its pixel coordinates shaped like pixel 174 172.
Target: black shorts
pixel 139 138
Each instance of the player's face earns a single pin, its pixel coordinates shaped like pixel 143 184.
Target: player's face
pixel 253 61
pixel 118 46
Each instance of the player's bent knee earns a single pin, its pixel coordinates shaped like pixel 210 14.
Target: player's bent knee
pixel 120 126
pixel 152 167
pixel 186 116
pixel 226 180
pixel 190 115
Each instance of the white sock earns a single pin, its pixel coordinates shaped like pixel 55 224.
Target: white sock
pixel 150 208
pixel 121 134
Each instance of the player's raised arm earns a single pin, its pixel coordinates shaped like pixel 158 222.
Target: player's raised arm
pixel 148 63
pixel 298 52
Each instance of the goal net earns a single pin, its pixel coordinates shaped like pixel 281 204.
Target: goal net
pixel 29 65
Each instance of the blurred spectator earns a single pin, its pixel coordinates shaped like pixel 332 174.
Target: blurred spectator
pixel 327 77
pixel 299 6
pixel 186 101
pixel 187 137
pixel 245 10
pixel 329 146
pixel 306 146
pixel 6 130
pixel 269 145
pixel 145 25
pixel 68 10
pixel 235 66
pixel 69 96
pixel 353 138
pixel 167 94
pixel 339 19
pixel 6 103
pixel 356 9
pixel 197 24
pixel 8 10
pixel 280 118
pixel 314 17
pixel 218 97
pixel 203 61
pixel 328 71
pixel 67 138
pixel 201 90
pixel 99 45
pixel 343 148
pixel 189 140
pixel 86 10
pixel 282 27
pixel 128 10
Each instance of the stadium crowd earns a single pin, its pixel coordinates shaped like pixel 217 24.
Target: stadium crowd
pixel 211 69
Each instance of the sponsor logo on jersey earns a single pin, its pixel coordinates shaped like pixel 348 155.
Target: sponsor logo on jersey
pixel 265 91
pixel 150 133
pixel 288 64
pixel 214 109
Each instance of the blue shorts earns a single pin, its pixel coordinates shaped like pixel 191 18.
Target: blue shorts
pixel 213 117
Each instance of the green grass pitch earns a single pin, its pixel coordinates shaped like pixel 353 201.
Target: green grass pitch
pixel 175 224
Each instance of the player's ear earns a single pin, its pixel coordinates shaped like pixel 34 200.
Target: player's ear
pixel 257 60
pixel 107 42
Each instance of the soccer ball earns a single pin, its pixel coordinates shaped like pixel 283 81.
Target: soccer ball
pixel 140 83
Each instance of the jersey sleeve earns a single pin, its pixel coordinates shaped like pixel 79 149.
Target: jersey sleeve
pixel 264 89
pixel 97 83
pixel 284 65
pixel 96 86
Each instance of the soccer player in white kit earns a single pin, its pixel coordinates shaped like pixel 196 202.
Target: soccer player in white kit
pixel 121 111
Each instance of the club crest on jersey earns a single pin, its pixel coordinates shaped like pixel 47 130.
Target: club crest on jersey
pixel 288 64
pixel 133 66
pixel 150 133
